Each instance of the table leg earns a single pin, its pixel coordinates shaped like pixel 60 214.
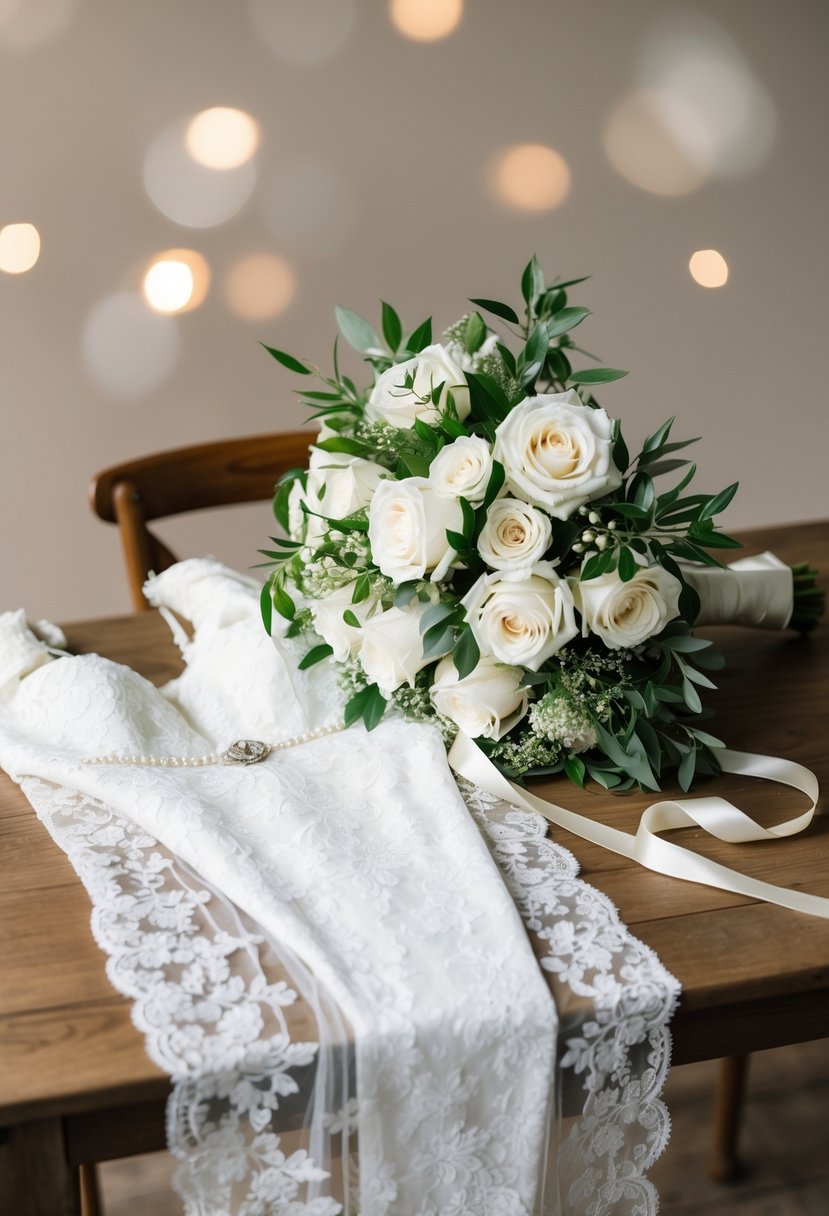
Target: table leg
pixel 724 1164
pixel 35 1176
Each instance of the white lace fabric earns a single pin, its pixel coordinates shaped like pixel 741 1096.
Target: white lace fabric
pixel 342 888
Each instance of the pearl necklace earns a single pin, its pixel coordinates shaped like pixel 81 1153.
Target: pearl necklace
pixel 243 751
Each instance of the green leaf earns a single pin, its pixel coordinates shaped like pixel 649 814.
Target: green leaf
pixel 686 770
pixel 627 565
pixel 711 539
pixel 411 465
pixel 292 364
pixel 500 310
pixel 469 519
pixel 282 602
pixel 466 654
pixel 438 640
pixel 404 593
pixel 487 398
pixel 654 442
pixel 362 588
pixel 597 375
pixel 533 355
pixel 475 333
pixel 421 337
pixel 565 320
pixel 575 770
pixel 493 486
pixel 266 606
pixel 437 613
pixel 356 331
pixel 392 328
pixel 621 455
pixel 719 502
pixel 508 359
pixel 351 618
pixel 708 740
pixel 691 696
pixel 569 283
pixel 368 704
pixel 598 564
pixel 315 655
pixel 456 539
pixel 630 510
pixel 643 491
pixel 532 281
pixel 427 433
pixel 342 443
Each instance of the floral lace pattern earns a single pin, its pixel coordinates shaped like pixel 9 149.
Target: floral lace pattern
pixel 377 997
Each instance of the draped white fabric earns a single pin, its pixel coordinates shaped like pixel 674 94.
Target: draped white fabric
pixel 349 872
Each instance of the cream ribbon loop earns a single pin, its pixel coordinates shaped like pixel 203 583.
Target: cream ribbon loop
pixel 714 815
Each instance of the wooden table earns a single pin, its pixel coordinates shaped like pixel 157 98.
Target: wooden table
pixel 76 1086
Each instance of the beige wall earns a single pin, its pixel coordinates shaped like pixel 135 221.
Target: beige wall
pixel 408 130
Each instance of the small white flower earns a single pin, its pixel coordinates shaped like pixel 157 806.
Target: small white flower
pixel 515 534
pixel 407 525
pixel 557 453
pixel 392 401
pixel 486 703
pixel 462 469
pixel 521 616
pixel 626 614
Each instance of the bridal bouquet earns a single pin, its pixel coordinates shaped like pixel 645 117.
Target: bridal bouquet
pixel 474 544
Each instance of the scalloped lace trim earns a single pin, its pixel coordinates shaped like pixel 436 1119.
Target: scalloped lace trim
pixel 211 996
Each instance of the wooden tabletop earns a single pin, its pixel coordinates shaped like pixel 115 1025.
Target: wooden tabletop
pixel 753 975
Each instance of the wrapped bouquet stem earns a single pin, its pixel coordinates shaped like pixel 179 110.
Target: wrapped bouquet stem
pixel 474 544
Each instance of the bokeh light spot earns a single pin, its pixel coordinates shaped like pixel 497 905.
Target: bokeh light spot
pixel 168 286
pixel 189 193
pixel 176 281
pixel 222 138
pixel 709 268
pixel 260 286
pixel 426 20
pixel 645 152
pixel 530 177
pixel 302 32
pixel 128 350
pixel 19 248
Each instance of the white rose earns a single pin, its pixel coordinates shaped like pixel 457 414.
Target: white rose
pixel 407 524
pixel 625 614
pixel 339 484
pixel 344 639
pixel 462 469
pixel 392 401
pixel 521 616
pixel 557 453
pixel 515 534
pixel 392 649
pixel 486 703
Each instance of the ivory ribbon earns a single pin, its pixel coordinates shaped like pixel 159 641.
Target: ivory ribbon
pixel 756 591
pixel 714 815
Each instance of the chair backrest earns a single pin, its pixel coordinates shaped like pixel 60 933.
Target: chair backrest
pixel 187 479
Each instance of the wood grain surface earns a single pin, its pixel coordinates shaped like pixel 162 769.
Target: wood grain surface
pixel 753 975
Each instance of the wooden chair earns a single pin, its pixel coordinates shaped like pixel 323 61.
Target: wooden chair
pixel 217 474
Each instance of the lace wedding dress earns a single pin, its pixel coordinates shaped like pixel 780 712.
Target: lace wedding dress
pixel 329 951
